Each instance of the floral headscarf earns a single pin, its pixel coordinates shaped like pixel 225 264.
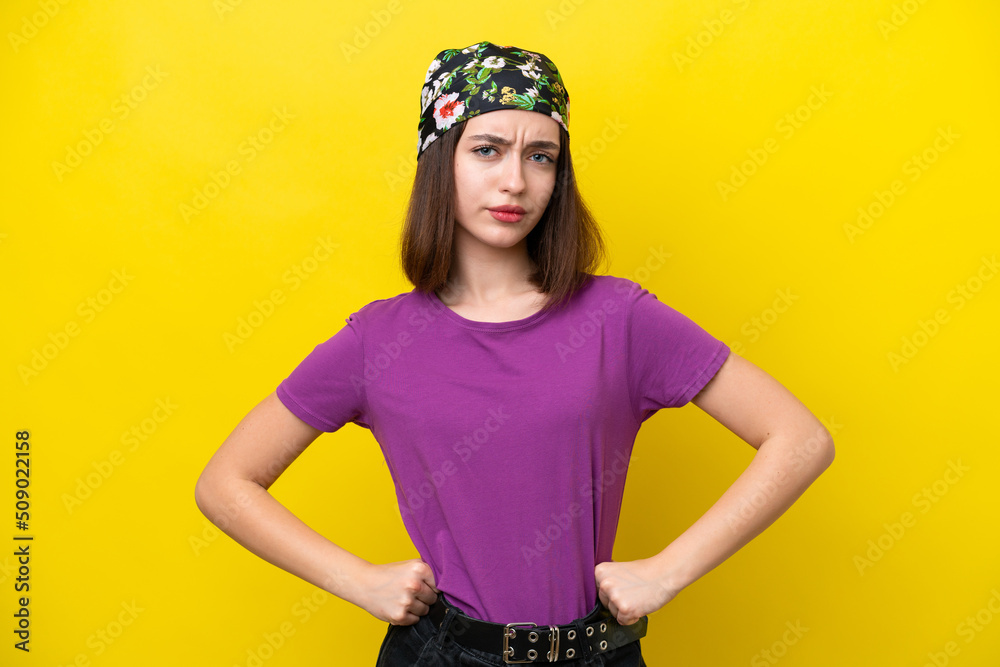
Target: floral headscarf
pixel 486 77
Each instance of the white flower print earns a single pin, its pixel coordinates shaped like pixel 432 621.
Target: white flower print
pixel 559 119
pixel 427 142
pixel 431 91
pixel 529 70
pixel 531 92
pixel 472 63
pixel 446 109
pixel 493 62
pixel 428 94
pixel 435 64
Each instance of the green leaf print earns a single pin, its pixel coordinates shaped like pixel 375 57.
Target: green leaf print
pixel 524 102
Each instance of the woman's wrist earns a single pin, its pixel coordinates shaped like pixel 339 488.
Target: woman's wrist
pixel 669 573
pixel 348 580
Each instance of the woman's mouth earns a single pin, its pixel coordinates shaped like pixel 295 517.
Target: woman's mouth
pixel 507 213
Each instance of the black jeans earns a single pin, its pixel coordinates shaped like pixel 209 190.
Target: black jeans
pixel 423 645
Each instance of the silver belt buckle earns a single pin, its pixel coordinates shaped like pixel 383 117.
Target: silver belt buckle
pixel 508 632
pixel 553 643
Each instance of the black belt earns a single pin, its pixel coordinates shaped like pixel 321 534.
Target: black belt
pixel 526 642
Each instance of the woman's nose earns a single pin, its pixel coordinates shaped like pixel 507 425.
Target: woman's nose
pixel 512 174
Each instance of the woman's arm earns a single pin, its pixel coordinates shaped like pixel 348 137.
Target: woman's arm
pixel 232 493
pixel 793 449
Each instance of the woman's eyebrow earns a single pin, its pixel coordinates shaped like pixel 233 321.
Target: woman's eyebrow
pixel 538 143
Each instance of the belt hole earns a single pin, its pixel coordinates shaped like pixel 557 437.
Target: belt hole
pixel 570 652
pixel 571 635
pixel 590 631
pixel 604 644
pixel 532 637
pixel 604 627
pixel 532 654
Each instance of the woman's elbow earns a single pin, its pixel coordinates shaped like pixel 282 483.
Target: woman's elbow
pixel 210 492
pixel 223 498
pixel 830 454
pixel 203 494
pixel 811 451
pixel 822 448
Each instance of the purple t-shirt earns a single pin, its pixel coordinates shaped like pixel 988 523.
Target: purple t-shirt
pixel 508 442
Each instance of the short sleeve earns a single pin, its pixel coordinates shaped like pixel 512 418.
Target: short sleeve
pixel 670 357
pixel 327 390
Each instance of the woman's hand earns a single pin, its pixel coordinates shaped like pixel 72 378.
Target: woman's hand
pixel 399 593
pixel 631 589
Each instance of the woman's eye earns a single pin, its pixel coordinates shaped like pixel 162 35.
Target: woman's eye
pixel 479 151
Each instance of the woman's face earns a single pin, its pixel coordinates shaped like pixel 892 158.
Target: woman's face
pixel 504 158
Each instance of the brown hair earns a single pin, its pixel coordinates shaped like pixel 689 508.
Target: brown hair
pixel 565 246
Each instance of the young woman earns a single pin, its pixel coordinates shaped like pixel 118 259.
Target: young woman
pixel 506 391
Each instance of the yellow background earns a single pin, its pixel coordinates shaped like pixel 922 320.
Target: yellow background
pixel 658 134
